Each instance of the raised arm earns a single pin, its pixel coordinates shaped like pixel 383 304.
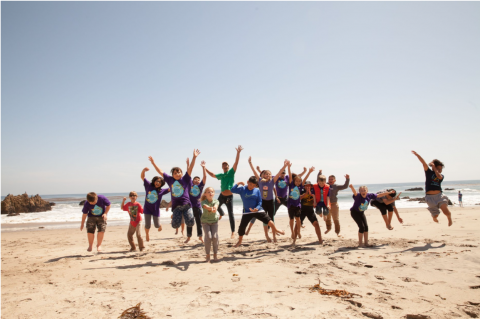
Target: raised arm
pixel 190 168
pixel 303 173
pixel 353 190
pixel 289 164
pixel 155 166
pixel 142 175
pixel 309 172
pixel 204 173
pixel 425 166
pixel 188 164
pixel 258 169
pixel 347 181
pixel 253 170
pixel 285 163
pixel 384 194
pixel 437 173
pixel 123 203
pixel 239 149
pixel 210 173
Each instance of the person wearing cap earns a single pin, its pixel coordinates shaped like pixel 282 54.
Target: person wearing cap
pixel 227 179
pixel 387 203
pixel 307 200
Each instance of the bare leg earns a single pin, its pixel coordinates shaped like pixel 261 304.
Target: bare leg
pixel 176 231
pixel 147 234
pixel 160 228
pixel 265 228
pixel 390 215
pixel 240 238
pixel 435 218
pixel 360 239
pixel 91 237
pixel 208 258
pixel 291 228
pixel 183 229
pixel 248 229
pixel 386 218
pixel 201 239
pixel 298 224
pixel 319 233
pixel 215 258
pixel 365 238
pixel 186 241
pixel 99 240
pixel 447 213
pixel 275 230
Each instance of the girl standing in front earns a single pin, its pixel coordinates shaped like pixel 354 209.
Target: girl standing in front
pixel 209 220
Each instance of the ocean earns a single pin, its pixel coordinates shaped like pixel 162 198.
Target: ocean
pixel 67 208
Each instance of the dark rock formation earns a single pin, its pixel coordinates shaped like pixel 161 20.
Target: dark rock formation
pixel 449 189
pixel 414 189
pixel 24 204
pixel 450 202
pixel 13 214
pixel 406 197
pixel 82 202
pixel 418 199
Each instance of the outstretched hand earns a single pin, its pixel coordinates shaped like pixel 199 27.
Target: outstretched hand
pixel 146 169
pixel 250 159
pixel 188 162
pixel 289 164
pixel 196 153
pixel 415 153
pixel 151 160
pixel 203 164
pixel 311 169
pixel 239 148
pixel 351 186
pixel 347 176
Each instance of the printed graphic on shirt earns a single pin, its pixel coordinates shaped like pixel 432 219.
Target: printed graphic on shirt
pixel 195 191
pixel 295 193
pixel 364 206
pixel 435 180
pixel 265 191
pixel 152 197
pixel 177 189
pixel 97 210
pixel 250 195
pixel 321 194
pixel 133 212
pixel 282 183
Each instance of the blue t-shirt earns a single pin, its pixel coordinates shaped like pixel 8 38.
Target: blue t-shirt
pixel 195 194
pixel 250 198
pixel 294 195
pixel 432 183
pixel 360 203
pixel 153 198
pixel 98 209
pixel 180 189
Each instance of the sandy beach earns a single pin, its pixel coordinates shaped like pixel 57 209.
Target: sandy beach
pixel 418 270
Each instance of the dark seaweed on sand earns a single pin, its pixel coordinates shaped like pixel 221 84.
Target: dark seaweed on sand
pixel 134 313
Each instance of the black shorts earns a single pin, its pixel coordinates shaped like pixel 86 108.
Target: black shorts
pixel 382 206
pixel 246 218
pixel 294 211
pixel 308 212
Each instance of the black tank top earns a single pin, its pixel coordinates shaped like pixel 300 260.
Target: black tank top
pixel 432 183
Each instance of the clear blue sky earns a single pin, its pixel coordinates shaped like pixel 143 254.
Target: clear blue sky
pixel 90 89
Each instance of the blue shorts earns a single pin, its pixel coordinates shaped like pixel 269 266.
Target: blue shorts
pixel 322 210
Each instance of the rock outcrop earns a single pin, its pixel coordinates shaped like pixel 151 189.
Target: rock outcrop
pixel 418 199
pixel 414 189
pixel 23 204
pixel 82 202
pixel 406 197
pixel 449 189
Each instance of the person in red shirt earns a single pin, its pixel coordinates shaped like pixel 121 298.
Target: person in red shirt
pixel 135 210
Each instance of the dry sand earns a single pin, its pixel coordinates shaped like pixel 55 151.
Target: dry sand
pixel 420 268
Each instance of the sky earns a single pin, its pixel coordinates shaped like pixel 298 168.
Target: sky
pixel 90 89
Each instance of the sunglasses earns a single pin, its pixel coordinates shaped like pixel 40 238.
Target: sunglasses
pixel 134 196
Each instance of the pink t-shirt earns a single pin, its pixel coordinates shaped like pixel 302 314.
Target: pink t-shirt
pixel 134 210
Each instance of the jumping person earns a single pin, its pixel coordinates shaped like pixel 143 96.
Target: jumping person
pixel 334 188
pixel 153 198
pixel 226 183
pixel 307 200
pixel 180 188
pixel 266 186
pixel 387 203
pixel 195 194
pixel 252 206
pixel 360 205
pixel 433 188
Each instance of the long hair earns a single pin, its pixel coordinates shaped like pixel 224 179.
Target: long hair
pixel 162 182
pixel 204 196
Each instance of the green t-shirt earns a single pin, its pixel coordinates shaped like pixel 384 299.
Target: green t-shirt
pixel 226 180
pixel 209 217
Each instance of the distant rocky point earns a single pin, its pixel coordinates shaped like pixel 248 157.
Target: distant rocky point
pixel 422 200
pixel 414 189
pixel 449 189
pixel 14 205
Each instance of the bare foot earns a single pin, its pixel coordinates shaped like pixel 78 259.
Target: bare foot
pixel 207 260
pixel 338 235
pixel 435 219
pixel 299 235
pixel 148 237
pixel 99 248
pixel 237 244
pixel 215 258
pixel 186 241
pixel 389 227
pixel 89 249
pixel 246 233
pixel 201 239
pixel 233 236
pixel 176 232
pixel 274 239
pixel 293 236
pixel 450 222
pixel 293 243
pixel 280 232
pixel 160 228
pixel 141 249
pixel 269 240
pixel 182 233
pixel 133 249
pixel 320 242
pixel 327 231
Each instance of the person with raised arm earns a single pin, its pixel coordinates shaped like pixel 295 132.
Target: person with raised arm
pixel 252 207
pixel 266 186
pixel 195 194
pixel 334 209
pixel 360 205
pixel 226 183
pixel 434 196
pixel 180 186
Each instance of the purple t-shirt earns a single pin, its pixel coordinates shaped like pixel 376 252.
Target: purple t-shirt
pixel 153 198
pixel 98 209
pixel 282 186
pixel 195 194
pixel 294 195
pixel 266 189
pixel 361 204
pixel 180 189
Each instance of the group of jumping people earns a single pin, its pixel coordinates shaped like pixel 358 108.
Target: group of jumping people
pixel 262 196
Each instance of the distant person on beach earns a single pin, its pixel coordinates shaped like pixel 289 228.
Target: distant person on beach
pixel 294 202
pixel 195 194
pixel 96 208
pixel 334 210
pixel 266 186
pixel 180 186
pixel 360 205
pixel 252 207
pixel 460 202
pixel 387 203
pixel 226 183
pixel 307 201
pixel 153 198
pixel 209 220
pixel 135 211
pixel 433 188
